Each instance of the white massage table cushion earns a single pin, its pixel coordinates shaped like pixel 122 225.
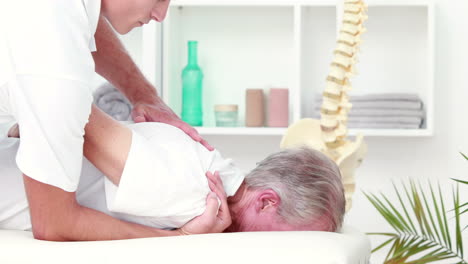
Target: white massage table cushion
pixel 348 247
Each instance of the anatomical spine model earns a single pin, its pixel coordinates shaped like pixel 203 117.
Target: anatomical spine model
pixel 329 134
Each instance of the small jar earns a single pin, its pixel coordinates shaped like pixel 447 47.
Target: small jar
pixel 226 115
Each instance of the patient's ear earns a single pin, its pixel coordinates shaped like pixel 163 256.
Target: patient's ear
pixel 267 201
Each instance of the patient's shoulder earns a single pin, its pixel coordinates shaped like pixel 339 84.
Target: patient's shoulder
pixel 150 130
pixel 171 137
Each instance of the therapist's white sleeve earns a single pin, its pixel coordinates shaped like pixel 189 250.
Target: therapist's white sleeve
pixel 48 44
pixel 52 114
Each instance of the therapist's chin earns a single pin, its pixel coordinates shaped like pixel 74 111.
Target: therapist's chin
pixel 124 29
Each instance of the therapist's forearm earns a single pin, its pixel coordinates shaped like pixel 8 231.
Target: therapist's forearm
pixel 94 225
pixel 114 63
pixel 56 216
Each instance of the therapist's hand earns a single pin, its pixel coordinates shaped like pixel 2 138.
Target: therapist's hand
pixel 213 220
pixel 160 112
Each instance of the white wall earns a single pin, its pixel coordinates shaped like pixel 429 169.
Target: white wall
pixel 389 159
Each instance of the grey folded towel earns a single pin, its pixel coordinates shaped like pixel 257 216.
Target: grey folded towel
pixel 383 125
pixel 382 101
pixel 112 102
pixel 387 105
pixel 386 112
pixel 386 119
pixel 381 97
pixel 386 97
pixel 381 112
pixel 413 105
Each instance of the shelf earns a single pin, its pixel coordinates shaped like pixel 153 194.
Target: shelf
pixel 294 2
pixel 250 3
pixel 289 44
pixel 269 131
pixel 247 131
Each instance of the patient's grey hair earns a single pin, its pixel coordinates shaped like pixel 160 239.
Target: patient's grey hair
pixel 308 184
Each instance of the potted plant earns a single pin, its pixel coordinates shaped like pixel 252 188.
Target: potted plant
pixel 426 230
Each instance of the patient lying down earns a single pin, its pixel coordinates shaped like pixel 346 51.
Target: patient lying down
pixel 155 176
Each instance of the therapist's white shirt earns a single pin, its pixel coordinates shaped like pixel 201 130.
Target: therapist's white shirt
pixel 163 184
pixel 45 71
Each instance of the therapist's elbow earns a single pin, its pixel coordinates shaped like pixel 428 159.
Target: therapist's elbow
pixel 52 210
pixel 57 226
pixel 47 235
pixel 42 230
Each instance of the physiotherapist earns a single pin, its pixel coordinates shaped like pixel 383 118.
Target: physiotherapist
pixel 49 52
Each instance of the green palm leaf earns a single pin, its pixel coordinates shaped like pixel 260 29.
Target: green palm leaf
pixel 460 181
pixel 458 231
pixel 464 156
pixel 465 205
pixel 422 234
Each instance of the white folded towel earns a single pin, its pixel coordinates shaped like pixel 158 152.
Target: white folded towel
pixel 112 102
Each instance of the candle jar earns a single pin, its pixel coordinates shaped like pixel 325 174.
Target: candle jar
pixel 226 115
pixel 278 107
pixel 254 108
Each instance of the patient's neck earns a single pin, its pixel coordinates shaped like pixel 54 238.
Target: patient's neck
pixel 237 204
pixel 237 197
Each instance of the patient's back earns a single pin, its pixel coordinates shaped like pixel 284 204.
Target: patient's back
pixel 164 181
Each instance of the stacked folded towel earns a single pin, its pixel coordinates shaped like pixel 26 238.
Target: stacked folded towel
pixel 112 102
pixel 386 111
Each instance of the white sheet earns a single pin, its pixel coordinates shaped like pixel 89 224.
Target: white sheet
pixel 349 247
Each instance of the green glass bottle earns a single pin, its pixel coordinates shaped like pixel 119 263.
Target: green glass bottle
pixel 192 79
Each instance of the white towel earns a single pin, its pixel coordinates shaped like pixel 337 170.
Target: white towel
pixel 112 102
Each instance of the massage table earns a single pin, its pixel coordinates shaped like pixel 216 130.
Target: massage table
pixel 347 247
